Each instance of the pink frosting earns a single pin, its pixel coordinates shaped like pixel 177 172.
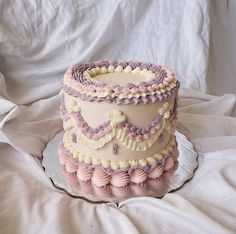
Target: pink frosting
pixel 100 177
pixel 120 179
pixel 62 156
pixel 84 173
pixel 71 167
pixel 156 171
pixel 62 159
pixel 169 163
pixel 138 176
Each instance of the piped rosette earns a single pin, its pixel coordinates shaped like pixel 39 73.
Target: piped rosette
pixel 84 173
pixel 169 163
pixel 100 178
pixel 138 176
pixel 120 179
pixel 156 172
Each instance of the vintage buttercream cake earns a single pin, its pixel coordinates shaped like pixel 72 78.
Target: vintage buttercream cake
pixel 119 121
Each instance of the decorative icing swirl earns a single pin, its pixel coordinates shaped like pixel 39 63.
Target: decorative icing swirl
pixel 120 179
pixel 71 167
pixel 62 159
pixel 138 176
pixel 100 177
pixel 156 172
pixel 84 173
pixel 115 117
pixel 169 163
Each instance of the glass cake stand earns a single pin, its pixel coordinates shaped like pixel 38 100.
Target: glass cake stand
pixel 170 181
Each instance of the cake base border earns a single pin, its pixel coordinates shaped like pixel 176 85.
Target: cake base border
pixel 169 181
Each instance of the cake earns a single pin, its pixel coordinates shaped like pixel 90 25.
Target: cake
pixel 119 120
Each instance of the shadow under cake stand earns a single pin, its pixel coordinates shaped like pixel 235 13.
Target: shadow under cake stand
pixel 170 181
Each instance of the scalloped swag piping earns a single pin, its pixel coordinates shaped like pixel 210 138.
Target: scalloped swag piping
pixel 117 126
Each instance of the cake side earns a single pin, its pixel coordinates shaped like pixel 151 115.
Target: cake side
pixel 112 129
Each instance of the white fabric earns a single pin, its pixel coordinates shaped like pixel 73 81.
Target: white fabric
pixel 40 39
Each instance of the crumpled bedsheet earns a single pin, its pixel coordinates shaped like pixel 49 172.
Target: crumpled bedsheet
pixel 40 39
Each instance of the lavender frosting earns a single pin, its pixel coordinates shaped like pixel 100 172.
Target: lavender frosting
pixel 76 73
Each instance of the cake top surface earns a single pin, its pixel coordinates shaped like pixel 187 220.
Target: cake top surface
pixel 120 82
pixel 119 78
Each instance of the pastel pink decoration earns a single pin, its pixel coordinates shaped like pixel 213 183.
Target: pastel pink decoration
pixel 100 177
pixel 130 135
pixel 117 90
pixel 95 136
pixel 165 82
pixel 91 88
pixel 62 159
pixel 152 89
pixel 143 89
pixel 153 131
pixel 108 88
pixel 71 167
pixel 126 90
pixel 169 163
pixel 139 138
pixel 155 86
pixel 138 176
pixel 161 85
pixel 100 134
pixel 126 129
pixel 146 136
pixel 156 172
pixel 120 179
pixel 107 130
pixel 134 90
pixel 84 173
pixel 100 89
